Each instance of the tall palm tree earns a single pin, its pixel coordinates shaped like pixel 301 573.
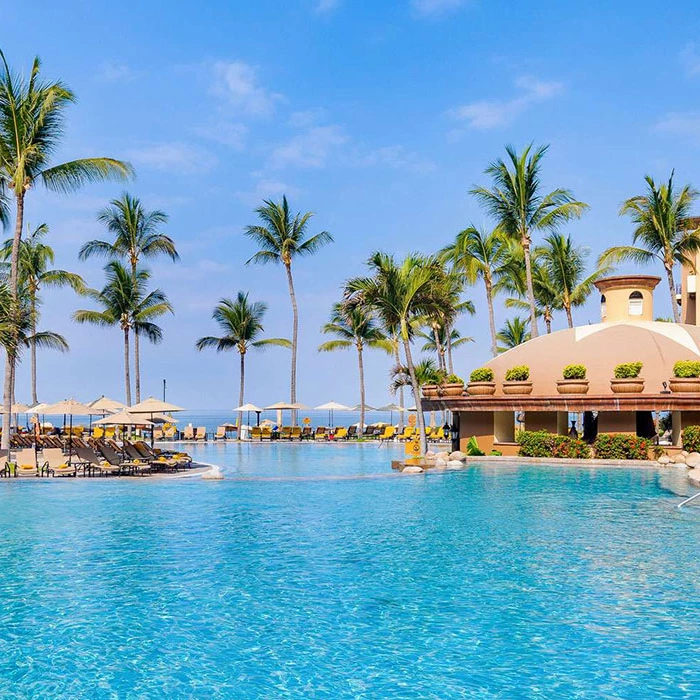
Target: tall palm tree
pixel 564 265
pixel 35 272
pixel 282 237
pixel 661 232
pixel 355 327
pixel 438 343
pixel 479 255
pixel 426 371
pixel 31 127
pixel 400 293
pixel 517 203
pixel 241 323
pixel 136 236
pixel 513 333
pixel 126 302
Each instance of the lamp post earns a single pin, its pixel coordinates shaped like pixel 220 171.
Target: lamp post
pixel 165 384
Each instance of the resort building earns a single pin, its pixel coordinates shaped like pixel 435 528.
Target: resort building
pixel 627 332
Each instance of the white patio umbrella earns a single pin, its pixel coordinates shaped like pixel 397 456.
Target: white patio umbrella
pixel 152 406
pixel 330 407
pixel 70 408
pixel 285 406
pixel 358 407
pixel 248 407
pixel 124 418
pixel 106 405
pixel 391 407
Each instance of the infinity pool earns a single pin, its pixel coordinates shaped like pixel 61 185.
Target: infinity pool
pixel 494 582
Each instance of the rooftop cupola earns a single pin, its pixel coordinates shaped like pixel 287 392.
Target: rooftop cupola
pixel 627 298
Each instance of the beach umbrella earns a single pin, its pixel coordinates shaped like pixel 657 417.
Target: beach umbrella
pixel 391 407
pixel 285 406
pixel 330 407
pixel 70 408
pixel 249 407
pixel 151 405
pixel 105 405
pixel 124 418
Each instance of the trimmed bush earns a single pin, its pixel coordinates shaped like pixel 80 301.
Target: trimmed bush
pixel 574 372
pixel 621 447
pixel 521 373
pixel 628 370
pixel 472 448
pixel 452 379
pixel 483 374
pixel 686 369
pixel 690 437
pixel 543 444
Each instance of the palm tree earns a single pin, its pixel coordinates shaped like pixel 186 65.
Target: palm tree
pixel 476 254
pixel 437 342
pixel 564 268
pixel 136 236
pixel 514 332
pixel 661 231
pixel 281 238
pixel 31 126
pixel 517 203
pixel 240 322
pixel 400 294
pixel 355 327
pixel 35 259
pixel 426 371
pixel 126 303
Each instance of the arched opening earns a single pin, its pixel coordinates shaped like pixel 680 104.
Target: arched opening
pixel 636 304
pixel 603 308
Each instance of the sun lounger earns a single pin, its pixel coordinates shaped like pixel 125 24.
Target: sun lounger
pixel 200 433
pixel 56 464
pixel 307 433
pixel 220 433
pixel 25 463
pixel 126 466
pixel 321 433
pixel 92 463
pixel 256 433
pixel 352 431
pixel 157 462
pixel 340 434
pixel 266 433
pixel 182 459
pixel 188 433
pixel 295 433
pixel 157 433
pixel 286 433
pixel 388 433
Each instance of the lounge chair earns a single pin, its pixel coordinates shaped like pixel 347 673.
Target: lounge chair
pixel 113 458
pixel 369 432
pixel 55 463
pixel 200 433
pixel 295 433
pixel 98 432
pixel 220 433
pixel 307 433
pixel 352 432
pixel 182 459
pixel 157 462
pixel 286 433
pixel 188 433
pixel 92 463
pixel 389 433
pixel 256 433
pixel 321 433
pixel 170 432
pixel 25 463
pixel 157 433
pixel 408 433
pixel 266 433
pixel 340 434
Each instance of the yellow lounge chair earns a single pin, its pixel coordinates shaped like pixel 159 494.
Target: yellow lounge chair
pixel 286 433
pixel 388 433
pixel 256 433
pixel 188 433
pixel 170 432
pixel 266 433
pixel 320 433
pixel 340 434
pixel 200 433
pixel 220 433
pixel 25 463
pixel 296 433
pixel 55 463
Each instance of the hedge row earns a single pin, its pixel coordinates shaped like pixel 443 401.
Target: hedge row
pixel 544 444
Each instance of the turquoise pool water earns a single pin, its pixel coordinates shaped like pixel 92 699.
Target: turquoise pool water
pixel 495 582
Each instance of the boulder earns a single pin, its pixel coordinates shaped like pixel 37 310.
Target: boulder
pixel 454 464
pixel 459 456
pixel 412 470
pixel 684 453
pixel 693 460
pixel 679 459
pixel 664 459
pixel 214 474
pixel 694 476
pixel 443 455
pixel 440 463
pixel 430 455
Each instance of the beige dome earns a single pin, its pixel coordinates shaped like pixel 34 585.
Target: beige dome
pixel 600 347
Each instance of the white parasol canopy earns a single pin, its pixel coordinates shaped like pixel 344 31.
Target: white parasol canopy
pixel 153 405
pixel 248 407
pixel 107 405
pixel 123 418
pixel 69 407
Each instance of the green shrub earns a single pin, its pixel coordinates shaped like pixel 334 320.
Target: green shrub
pixel 483 374
pixel 628 370
pixel 690 437
pixel 521 373
pixel 543 444
pixel 621 447
pixel 686 369
pixel 453 379
pixel 574 372
pixel 472 448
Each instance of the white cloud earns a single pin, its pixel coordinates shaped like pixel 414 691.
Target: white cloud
pixel 325 6
pixel 226 133
pixel 690 59
pixel 174 157
pixel 397 157
pixel 237 83
pixel 433 8
pixel 308 117
pixel 490 114
pixel 115 73
pixel 310 149
pixel 685 124
pixel 267 189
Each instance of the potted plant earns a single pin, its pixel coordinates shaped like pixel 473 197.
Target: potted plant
pixel 451 385
pixel 481 382
pixel 517 380
pixel 686 377
pixel 429 391
pixel 627 379
pixel 573 380
pixel 433 379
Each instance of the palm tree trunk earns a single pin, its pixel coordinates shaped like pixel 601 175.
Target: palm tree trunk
pixel 449 351
pixel 241 393
pixel 672 290
pixel 492 320
pixel 137 367
pixel 32 349
pixel 8 384
pixel 438 348
pixel 416 389
pixel 548 321
pixel 397 354
pixel 530 288
pixel 361 368
pixel 295 332
pixel 569 318
pixel 127 374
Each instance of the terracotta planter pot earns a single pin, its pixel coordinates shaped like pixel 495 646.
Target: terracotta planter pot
pixel 481 388
pixel 627 386
pixel 429 391
pixel 572 386
pixel 451 389
pixel 689 385
pixel 517 387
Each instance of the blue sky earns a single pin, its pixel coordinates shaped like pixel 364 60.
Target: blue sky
pixel 377 116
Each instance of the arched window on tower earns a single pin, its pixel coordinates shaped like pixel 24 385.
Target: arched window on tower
pixel 636 304
pixel 603 309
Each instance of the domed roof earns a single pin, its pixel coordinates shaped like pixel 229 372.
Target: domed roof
pixel 600 347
